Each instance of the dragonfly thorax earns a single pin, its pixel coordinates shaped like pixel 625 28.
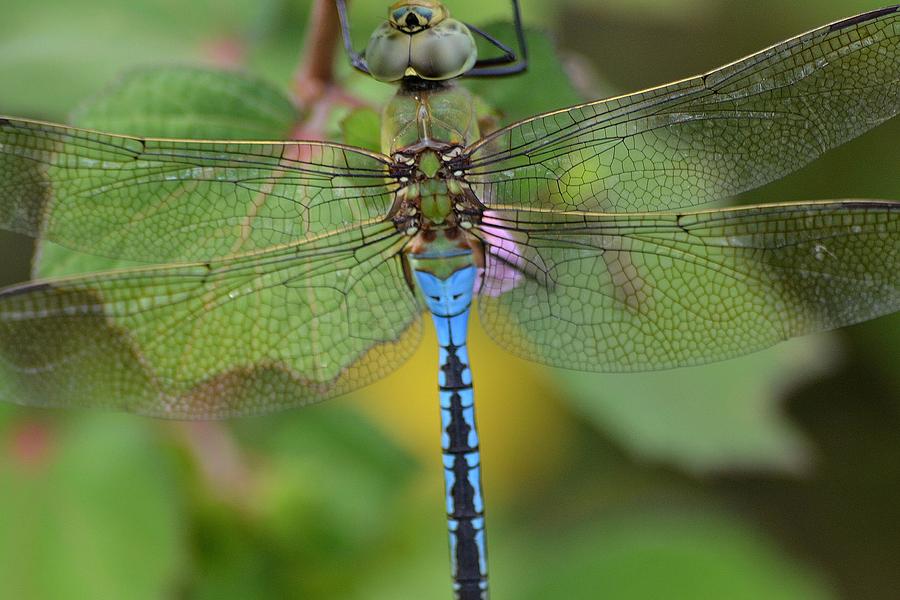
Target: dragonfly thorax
pixel 434 197
pixel 420 40
pixel 426 133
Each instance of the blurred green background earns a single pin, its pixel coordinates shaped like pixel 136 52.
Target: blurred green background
pixel 772 476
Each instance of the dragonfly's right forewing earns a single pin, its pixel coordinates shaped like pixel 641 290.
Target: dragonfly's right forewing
pixel 158 201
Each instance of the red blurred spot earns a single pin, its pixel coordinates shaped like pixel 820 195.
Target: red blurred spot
pixel 30 444
pixel 225 52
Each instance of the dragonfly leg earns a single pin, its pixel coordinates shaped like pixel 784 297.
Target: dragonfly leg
pixel 357 60
pixel 510 62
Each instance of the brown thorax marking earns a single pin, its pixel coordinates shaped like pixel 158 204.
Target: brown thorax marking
pixel 434 194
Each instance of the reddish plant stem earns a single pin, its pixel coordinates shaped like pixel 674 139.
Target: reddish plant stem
pixel 316 71
pixel 315 88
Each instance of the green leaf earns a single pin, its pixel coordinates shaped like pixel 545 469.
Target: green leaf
pixel 328 492
pixel 175 102
pixel 190 102
pixel 720 416
pixel 89 511
pixel 672 556
pixel 362 127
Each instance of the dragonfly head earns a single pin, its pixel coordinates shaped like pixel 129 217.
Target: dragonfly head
pixel 420 40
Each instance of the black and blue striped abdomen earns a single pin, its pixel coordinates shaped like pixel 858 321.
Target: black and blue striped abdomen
pixel 449 301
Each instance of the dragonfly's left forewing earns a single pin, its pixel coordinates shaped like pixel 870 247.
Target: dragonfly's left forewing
pixel 241 335
pixel 704 138
pixel 652 291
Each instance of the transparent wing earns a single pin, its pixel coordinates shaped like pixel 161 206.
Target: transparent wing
pixel 704 138
pixel 156 200
pixel 236 336
pixel 654 291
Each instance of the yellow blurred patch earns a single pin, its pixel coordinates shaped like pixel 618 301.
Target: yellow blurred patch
pixel 523 428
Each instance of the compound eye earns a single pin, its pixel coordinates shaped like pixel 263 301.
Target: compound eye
pixel 425 15
pixel 414 16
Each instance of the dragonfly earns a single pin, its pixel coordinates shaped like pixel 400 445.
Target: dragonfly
pixel 276 274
